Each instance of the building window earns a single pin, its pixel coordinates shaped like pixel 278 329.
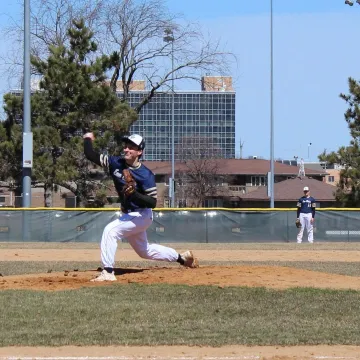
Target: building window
pixel 209 203
pixel 331 179
pixel 196 114
pixel 258 181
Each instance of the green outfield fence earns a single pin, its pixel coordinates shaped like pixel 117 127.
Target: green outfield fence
pixel 201 225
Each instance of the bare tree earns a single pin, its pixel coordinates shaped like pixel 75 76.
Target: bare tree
pixel 49 24
pixel 141 36
pixel 200 175
pixel 147 36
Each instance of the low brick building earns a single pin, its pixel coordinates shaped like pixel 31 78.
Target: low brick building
pixel 287 193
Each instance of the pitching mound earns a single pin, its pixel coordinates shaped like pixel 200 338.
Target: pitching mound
pixel 276 277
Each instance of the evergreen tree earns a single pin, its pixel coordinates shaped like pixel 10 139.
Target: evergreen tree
pixel 348 188
pixel 11 144
pixel 72 99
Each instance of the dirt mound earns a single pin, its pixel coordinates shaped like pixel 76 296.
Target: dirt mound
pixel 276 277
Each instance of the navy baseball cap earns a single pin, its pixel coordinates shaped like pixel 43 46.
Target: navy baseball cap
pixel 135 139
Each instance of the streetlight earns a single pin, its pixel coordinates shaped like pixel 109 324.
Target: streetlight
pixel 309 144
pixel 272 202
pixel 351 3
pixel 27 160
pixel 27 135
pixel 169 37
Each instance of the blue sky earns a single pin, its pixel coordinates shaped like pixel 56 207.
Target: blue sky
pixel 315 51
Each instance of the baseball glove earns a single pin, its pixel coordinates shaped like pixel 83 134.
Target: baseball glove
pixel 130 184
pixel 298 223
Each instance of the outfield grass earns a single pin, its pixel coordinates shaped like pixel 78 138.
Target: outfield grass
pixel 184 315
pixel 34 267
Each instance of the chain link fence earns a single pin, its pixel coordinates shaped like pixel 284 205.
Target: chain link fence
pixel 180 225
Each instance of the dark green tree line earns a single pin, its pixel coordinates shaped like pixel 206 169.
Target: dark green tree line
pixel 73 98
pixel 348 188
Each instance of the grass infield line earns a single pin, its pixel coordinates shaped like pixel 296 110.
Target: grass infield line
pixel 242 357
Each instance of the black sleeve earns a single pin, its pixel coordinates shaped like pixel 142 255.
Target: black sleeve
pixel 298 209
pixel 90 153
pixel 313 206
pixel 142 200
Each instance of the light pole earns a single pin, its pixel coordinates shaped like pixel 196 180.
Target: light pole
pixel 27 159
pixel 272 175
pixel 309 144
pixel 169 37
pixel 351 3
pixel 27 135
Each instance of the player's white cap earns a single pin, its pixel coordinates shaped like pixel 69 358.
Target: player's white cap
pixel 135 139
pixel 306 188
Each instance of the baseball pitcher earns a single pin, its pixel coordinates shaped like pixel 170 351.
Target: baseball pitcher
pixel 305 216
pixel 136 187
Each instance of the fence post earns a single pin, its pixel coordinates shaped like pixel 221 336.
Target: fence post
pixel 49 225
pixel 206 227
pixel 347 225
pixel 287 225
pixel 25 226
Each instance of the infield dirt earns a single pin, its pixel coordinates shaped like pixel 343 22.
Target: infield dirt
pixel 277 277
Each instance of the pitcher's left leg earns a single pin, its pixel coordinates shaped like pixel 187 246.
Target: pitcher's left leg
pixel 140 244
pixel 157 252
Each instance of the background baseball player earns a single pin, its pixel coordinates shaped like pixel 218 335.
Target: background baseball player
pixel 136 187
pixel 305 216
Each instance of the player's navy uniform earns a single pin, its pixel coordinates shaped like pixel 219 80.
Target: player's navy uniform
pixel 144 178
pixel 136 215
pixel 305 212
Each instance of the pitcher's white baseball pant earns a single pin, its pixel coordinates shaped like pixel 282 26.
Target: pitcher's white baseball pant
pixel 305 220
pixel 132 227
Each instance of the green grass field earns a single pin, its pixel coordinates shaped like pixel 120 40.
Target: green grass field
pixel 187 315
pixel 136 314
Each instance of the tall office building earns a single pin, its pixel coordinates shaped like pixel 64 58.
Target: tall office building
pixel 203 118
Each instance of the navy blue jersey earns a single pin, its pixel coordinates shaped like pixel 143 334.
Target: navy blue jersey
pixel 144 178
pixel 306 204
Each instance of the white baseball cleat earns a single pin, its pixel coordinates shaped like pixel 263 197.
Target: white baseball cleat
pixel 105 276
pixel 189 259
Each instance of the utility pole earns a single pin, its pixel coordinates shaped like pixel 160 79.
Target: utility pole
pixel 170 38
pixel 27 134
pixel 272 165
pixel 27 161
